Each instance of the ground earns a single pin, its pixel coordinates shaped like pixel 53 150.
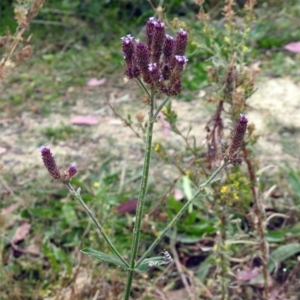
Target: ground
pixel 274 111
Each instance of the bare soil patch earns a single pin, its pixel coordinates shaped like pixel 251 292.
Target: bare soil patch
pixel 275 113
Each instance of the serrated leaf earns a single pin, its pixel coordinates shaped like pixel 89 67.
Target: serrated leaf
pixel 104 257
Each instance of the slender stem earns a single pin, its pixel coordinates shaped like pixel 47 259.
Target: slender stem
pixel 180 213
pixel 128 284
pixel 261 217
pixel 141 200
pixel 144 88
pixel 220 253
pixel 261 221
pixel 98 225
pixel 160 107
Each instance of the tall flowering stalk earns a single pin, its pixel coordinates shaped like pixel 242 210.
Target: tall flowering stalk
pixel 158 65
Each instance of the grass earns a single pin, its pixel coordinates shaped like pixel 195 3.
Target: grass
pixel 54 82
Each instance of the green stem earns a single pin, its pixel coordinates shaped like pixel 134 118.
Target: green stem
pixel 141 200
pixel 180 213
pixel 144 88
pixel 98 225
pixel 160 107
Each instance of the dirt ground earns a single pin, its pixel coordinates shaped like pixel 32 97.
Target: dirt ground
pixel 275 113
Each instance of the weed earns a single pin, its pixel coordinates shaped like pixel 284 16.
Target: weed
pixel 238 231
pixel 157 65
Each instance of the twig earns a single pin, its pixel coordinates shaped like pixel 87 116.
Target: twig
pixel 54 23
pixel 6 186
pixel 181 273
pixel 155 209
pixel 124 121
pixel 260 214
pixel 292 274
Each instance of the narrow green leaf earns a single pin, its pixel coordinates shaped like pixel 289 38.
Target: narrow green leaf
pixel 280 235
pixel 104 257
pixel 204 268
pixel 281 254
pixel 174 204
pixel 187 188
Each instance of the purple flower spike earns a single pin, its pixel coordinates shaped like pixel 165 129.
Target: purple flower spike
pixel 52 168
pixel 157 41
pixel 128 48
pixel 239 133
pixel 142 55
pixel 142 60
pixel 237 140
pixel 50 163
pixel 154 72
pixel 168 49
pixel 132 72
pixel 160 61
pixel 166 71
pixel 72 170
pixel 150 30
pixel 175 88
pixel 180 62
pixel 181 42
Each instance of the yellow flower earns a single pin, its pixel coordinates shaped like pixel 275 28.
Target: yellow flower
pixel 245 48
pixel 164 110
pixel 156 147
pixel 194 43
pixel 227 39
pixel 96 185
pixel 235 196
pixel 231 176
pixel 236 184
pixel 224 189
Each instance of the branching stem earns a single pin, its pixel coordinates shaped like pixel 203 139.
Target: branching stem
pixel 180 213
pixel 77 196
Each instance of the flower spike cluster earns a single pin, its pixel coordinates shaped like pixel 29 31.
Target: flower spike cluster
pixel 160 61
pixel 237 139
pixel 50 164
